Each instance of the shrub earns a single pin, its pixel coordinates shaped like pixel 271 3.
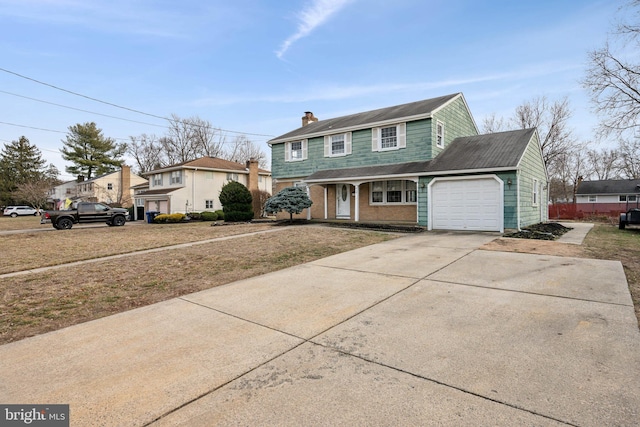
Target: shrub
pixel 236 202
pixel 208 216
pixel 196 216
pixel 220 214
pixel 260 198
pixel 169 218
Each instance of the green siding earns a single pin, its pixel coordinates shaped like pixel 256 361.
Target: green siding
pixel 532 167
pixel 420 136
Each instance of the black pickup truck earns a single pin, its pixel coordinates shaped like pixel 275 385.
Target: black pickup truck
pixel 630 217
pixel 85 212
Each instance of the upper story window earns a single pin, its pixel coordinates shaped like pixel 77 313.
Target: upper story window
pixel 176 177
pixel 69 191
pixel 110 186
pixel 439 134
pixel 295 151
pixel 337 145
pixel 389 137
pixel 157 180
pixel 232 177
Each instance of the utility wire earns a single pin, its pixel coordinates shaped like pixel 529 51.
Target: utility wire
pixel 46 130
pixel 112 104
pixel 80 109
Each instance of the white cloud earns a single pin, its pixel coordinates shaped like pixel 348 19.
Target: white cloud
pixel 311 18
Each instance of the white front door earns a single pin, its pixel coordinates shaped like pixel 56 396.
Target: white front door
pixel 343 201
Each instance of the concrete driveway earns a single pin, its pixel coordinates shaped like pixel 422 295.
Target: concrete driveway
pixel 422 330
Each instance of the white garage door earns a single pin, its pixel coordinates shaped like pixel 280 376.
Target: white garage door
pixel 467 204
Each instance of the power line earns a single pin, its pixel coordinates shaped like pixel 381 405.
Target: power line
pixel 80 109
pixel 46 130
pixel 112 104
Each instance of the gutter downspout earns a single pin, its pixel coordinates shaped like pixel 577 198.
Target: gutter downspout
pixel 518 199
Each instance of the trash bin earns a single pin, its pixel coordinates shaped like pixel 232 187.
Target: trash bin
pixel 151 215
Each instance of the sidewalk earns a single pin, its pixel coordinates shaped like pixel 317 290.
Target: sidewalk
pixel 422 330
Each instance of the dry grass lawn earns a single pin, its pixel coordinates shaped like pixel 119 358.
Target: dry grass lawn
pixel 36 303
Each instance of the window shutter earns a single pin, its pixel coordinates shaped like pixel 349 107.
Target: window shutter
pixel 347 143
pixel 304 149
pixel 287 151
pixel 402 135
pixel 327 146
pixel 374 139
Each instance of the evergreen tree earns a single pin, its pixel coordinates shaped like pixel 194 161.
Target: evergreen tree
pixel 236 202
pixel 91 153
pixel 20 162
pixel 290 199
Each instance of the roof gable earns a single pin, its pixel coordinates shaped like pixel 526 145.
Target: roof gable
pixel 204 163
pixel 491 151
pixel 412 110
pixel 609 186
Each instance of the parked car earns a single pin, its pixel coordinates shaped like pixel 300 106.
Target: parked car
pixel 85 212
pixel 630 217
pixel 14 211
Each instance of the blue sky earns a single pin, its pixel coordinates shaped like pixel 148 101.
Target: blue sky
pixel 256 66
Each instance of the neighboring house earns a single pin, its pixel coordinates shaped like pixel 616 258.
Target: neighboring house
pixel 111 188
pixel 195 186
pixel 608 197
pixel 421 162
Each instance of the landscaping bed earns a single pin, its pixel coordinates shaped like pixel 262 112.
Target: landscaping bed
pixel 541 231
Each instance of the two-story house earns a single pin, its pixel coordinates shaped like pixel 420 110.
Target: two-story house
pixel 194 186
pixel 421 162
pixel 111 188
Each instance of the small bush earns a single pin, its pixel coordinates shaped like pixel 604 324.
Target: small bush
pixel 220 214
pixel 169 218
pixel 195 216
pixel 209 216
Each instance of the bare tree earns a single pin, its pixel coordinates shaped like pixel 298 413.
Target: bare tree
pixel 493 124
pixel 613 76
pixel 629 160
pixel 551 119
pixel 243 149
pixel 180 142
pixel 603 164
pixel 147 152
pixel 568 168
pixel 209 141
pixel 34 191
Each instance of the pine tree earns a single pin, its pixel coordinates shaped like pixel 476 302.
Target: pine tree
pixel 91 153
pixel 20 162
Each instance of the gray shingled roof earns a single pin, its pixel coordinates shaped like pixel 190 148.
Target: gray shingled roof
pixel 364 120
pixel 492 151
pixel 416 168
pixel 610 186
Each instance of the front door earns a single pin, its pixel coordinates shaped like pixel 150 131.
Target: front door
pixel 343 201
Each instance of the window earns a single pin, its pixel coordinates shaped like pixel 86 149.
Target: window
pixel 388 137
pixel 208 175
pixel 337 145
pixel 68 190
pixel 534 193
pixel 392 192
pixel 109 186
pixel 157 180
pixel 139 202
pixel 593 198
pixel 208 204
pixel 623 198
pixel 232 177
pixel 631 198
pixel 440 134
pixel 176 177
pixel 295 151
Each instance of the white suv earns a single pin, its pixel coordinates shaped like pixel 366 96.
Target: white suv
pixel 14 211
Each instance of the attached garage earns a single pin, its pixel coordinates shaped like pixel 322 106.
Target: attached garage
pixel 466 203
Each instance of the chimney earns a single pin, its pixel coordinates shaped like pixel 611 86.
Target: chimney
pixel 125 186
pixel 308 118
pixel 252 165
pixel 80 178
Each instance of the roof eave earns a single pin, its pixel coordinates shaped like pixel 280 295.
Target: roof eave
pixel 468 171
